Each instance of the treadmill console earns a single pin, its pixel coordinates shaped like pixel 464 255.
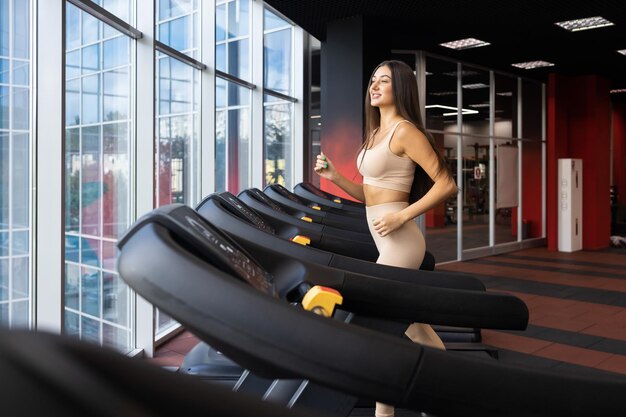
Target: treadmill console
pixel 222 251
pixel 238 208
pixel 259 195
pixel 285 193
pixel 314 190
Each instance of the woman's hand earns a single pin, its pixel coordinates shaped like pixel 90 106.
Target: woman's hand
pixel 324 167
pixel 388 223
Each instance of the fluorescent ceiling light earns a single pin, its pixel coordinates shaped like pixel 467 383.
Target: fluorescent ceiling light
pixel 479 105
pixel 475 86
pixel 619 90
pixel 505 94
pixel 584 24
pixel 316 117
pixel 533 64
pixel 443 93
pixel 454 113
pixel 463 73
pixel 464 44
pixel 622 51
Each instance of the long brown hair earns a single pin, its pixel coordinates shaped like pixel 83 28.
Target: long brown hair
pixel 406 101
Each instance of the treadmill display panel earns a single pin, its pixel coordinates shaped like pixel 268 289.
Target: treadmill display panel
pixel 235 205
pixel 224 252
pixel 285 193
pixel 259 195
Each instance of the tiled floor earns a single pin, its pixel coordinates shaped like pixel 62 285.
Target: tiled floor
pixel 577 305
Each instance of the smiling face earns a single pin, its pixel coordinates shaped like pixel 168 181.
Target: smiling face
pixel 381 91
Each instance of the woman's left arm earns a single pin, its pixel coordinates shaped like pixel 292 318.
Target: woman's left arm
pixel 412 143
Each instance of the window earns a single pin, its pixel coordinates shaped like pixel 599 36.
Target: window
pixel 15 178
pixel 232 136
pixel 278 100
pixel 98 138
pixel 177 114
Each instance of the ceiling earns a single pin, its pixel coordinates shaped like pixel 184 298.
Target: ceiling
pixel 518 31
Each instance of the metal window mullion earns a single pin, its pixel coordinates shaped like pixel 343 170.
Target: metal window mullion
pixel 144 168
pixel 543 161
pixel 520 148
pixel 107 17
pixel 459 165
pixel 257 173
pixel 49 83
pixel 492 160
pixel 273 93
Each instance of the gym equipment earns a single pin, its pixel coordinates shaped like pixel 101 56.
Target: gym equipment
pixel 312 193
pixel 345 242
pixel 199 276
pixel 323 215
pixel 45 374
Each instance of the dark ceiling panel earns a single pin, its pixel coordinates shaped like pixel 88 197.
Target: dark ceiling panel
pixel 517 30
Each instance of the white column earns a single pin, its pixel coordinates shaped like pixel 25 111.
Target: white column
pixel 48 249
pixel 298 107
pixel 144 154
pixel 207 94
pixel 256 105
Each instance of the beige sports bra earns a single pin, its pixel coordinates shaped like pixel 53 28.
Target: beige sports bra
pixel 382 168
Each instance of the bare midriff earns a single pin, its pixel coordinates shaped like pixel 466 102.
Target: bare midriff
pixel 377 195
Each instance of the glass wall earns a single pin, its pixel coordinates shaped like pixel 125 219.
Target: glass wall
pixel 136 84
pixel 441 121
pixel 278 85
pixel 98 139
pixel 15 168
pixel 500 153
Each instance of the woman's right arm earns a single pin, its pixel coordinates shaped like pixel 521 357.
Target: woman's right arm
pixel 326 169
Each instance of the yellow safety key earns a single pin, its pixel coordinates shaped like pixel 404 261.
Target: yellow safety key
pixel 337 200
pixel 306 219
pixel 303 240
pixel 316 207
pixel 322 300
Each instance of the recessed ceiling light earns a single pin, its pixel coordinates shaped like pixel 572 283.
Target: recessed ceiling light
pixel 464 44
pixel 505 94
pixel 619 90
pixel 622 51
pixel 584 24
pixel 533 64
pixel 475 86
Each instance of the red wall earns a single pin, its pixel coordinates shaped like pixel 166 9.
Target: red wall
pixel 619 150
pixel 579 111
pixel 341 144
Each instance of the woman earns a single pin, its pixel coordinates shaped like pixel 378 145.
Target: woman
pixel 404 176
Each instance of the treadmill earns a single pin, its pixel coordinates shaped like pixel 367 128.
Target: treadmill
pixel 336 218
pixel 227 299
pixel 310 192
pixel 51 375
pixel 345 242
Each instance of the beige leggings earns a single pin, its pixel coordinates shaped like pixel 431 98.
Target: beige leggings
pixel 405 248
